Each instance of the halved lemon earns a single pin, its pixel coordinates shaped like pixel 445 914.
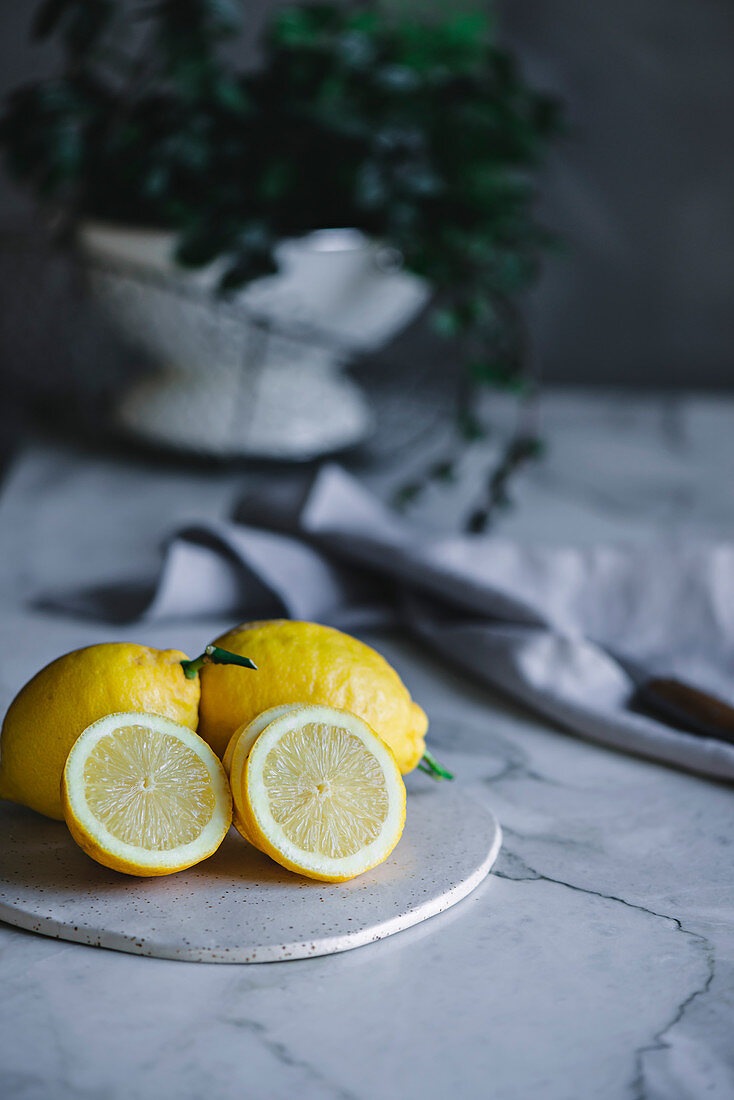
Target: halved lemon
pixel 143 795
pixel 235 758
pixel 321 794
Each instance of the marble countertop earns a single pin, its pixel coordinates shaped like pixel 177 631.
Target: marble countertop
pixel 596 961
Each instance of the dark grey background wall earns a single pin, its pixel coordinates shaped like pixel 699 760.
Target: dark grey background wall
pixel 642 191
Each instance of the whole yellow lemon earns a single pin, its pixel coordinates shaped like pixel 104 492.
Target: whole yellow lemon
pixel 308 663
pixel 57 705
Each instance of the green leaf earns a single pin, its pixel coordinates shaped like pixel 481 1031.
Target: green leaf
pixel 230 95
pixel 443 471
pixel 296 28
pixel 470 426
pixel 447 322
pixel 498 373
pixel 478 521
pixel 156 182
pixel 199 246
pixel 276 180
pixel 406 494
pixel 529 447
pixel 247 266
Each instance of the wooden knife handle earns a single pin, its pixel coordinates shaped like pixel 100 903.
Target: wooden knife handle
pixel 686 708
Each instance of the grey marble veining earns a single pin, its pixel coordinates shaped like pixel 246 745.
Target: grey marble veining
pixel 597 961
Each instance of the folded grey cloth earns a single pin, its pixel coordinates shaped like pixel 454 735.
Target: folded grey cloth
pixel 536 622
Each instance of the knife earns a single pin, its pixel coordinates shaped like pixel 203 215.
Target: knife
pixel 678 703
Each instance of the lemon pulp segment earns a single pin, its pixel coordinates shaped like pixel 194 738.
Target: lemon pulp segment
pixel 326 790
pixel 148 789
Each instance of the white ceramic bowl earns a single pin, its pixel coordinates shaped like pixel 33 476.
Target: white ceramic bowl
pixel 259 374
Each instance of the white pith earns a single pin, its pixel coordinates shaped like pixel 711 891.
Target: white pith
pixel 204 775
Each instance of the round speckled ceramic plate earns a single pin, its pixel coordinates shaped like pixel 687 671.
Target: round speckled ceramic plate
pixel 239 906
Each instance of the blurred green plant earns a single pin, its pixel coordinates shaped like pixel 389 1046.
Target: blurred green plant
pixel 422 134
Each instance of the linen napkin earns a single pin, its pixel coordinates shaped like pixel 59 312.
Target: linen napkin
pixel 538 622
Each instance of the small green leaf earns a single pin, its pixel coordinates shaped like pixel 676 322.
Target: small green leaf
pixel 477 522
pixel 447 322
pixel 198 247
pixel 230 95
pixel 248 265
pixel 406 494
pixel 470 427
pixel 498 373
pixel 443 471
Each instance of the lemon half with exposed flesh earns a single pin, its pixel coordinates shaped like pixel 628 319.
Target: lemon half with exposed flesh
pixel 144 795
pixel 321 793
pixel 236 755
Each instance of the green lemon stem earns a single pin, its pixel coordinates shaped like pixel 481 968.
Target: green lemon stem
pixel 431 767
pixel 215 656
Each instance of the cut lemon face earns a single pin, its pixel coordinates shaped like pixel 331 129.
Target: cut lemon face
pixel 144 795
pixel 322 794
pixel 236 755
